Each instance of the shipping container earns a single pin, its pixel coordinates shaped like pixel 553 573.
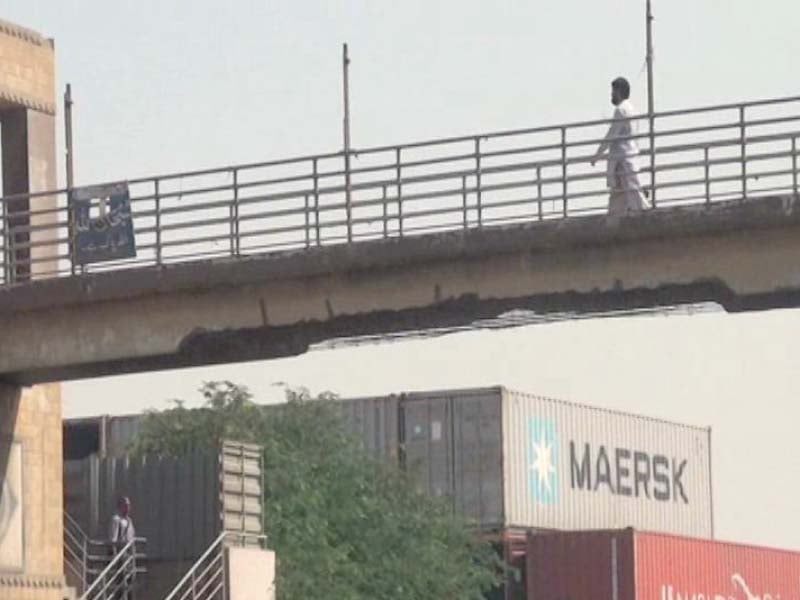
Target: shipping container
pixel 103 436
pixel 511 460
pixel 634 565
pixel 179 504
pixel 507 460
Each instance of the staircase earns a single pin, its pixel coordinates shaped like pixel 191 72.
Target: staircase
pixel 90 567
pixel 208 577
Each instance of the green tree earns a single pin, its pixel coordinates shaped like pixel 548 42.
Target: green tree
pixel 343 525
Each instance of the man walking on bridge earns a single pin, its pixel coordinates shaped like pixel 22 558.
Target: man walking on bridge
pixel 622 174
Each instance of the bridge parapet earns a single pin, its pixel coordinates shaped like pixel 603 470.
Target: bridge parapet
pixel 698 156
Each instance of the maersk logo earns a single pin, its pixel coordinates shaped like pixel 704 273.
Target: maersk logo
pixel 543 459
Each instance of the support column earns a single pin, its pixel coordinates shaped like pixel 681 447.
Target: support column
pixel 31 466
pixel 28 142
pixel 31 526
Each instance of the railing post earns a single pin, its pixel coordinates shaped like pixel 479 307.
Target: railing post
pixel 4 227
pixel 707 172
pixel 129 581
pixel 794 165
pixel 539 191
pixel 385 214
pixel 157 194
pixel 307 213
pixel 652 122
pixel 347 193
pixel 464 209
pixel 194 585
pixel 399 192
pixel 85 566
pixel 224 572
pixel 236 246
pixel 564 167
pixel 479 193
pixel 315 174
pixel 744 151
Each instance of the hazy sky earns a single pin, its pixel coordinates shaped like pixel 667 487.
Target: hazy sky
pixel 167 86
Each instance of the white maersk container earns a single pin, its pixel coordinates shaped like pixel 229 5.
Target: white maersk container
pixel 512 460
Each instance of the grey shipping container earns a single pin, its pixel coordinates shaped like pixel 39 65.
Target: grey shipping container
pixel 103 436
pixel 509 460
pixel 179 504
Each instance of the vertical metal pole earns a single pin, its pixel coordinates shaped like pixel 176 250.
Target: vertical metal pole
pixel 479 194
pixel 237 242
pixel 6 243
pixel 70 172
pixel 464 216
pixel 68 135
pixel 315 175
pixel 564 168
pixel 308 222
pixel 157 193
pixel 346 69
pixel 794 164
pixel 84 566
pixel 707 169
pixel 743 133
pixel 539 191
pixel 651 103
pixel 385 215
pixel 399 192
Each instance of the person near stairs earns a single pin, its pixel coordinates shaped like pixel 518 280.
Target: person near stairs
pixel 121 533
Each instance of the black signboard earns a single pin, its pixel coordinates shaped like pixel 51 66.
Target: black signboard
pixel 102 225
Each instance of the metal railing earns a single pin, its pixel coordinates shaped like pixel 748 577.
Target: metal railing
pixel 119 575
pixel 699 156
pixel 86 558
pixel 206 579
pixel 76 553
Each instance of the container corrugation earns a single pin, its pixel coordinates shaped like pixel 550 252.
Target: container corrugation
pixel 671 567
pixel 568 466
pixel 633 565
pixel 374 422
pixel 121 432
pixel 452 449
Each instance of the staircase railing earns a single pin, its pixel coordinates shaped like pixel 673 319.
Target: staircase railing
pixel 76 551
pixel 118 575
pixel 206 579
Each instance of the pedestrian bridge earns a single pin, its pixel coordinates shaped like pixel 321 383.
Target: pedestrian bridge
pixel 264 260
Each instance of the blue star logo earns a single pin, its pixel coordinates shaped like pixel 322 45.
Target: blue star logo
pixel 543 451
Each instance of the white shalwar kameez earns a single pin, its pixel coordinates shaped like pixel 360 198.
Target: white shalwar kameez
pixel 622 174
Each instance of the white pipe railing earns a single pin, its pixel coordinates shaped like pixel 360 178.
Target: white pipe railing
pixel 117 576
pixel 700 156
pixel 206 579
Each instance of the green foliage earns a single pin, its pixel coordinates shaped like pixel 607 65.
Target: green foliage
pixel 343 525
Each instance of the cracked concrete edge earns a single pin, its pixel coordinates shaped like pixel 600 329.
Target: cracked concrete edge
pixel 536 237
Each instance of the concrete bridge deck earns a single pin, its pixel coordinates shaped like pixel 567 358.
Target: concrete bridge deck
pixel 742 255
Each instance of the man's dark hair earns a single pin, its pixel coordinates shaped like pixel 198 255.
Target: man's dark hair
pixel 622 86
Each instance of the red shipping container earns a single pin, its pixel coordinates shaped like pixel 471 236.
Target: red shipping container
pixel 632 565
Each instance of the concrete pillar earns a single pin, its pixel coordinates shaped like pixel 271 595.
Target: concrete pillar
pixel 31 467
pixel 29 166
pixel 31 526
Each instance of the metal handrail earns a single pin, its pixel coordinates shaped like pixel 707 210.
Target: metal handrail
pixel 111 578
pixel 407 189
pixel 208 571
pixel 76 556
